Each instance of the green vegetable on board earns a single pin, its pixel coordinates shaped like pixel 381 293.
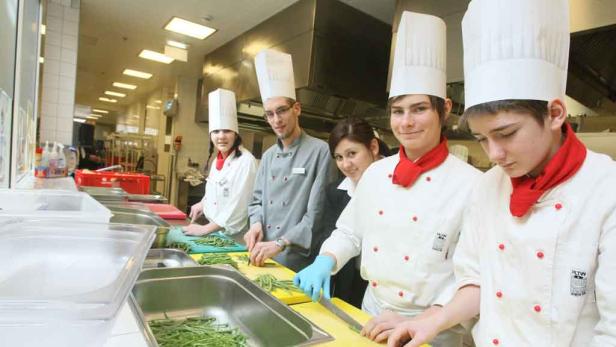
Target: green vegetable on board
pixel 195 332
pixel 180 245
pixel 217 258
pixel 214 241
pixel 271 283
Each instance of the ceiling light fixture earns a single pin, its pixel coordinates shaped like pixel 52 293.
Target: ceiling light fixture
pixel 188 28
pixel 95 115
pixel 99 110
pixel 108 100
pixel 124 85
pixel 138 74
pixel 79 120
pixel 119 95
pixel 177 44
pixel 155 56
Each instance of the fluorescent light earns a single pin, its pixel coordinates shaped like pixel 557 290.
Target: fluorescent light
pixel 139 74
pixel 152 107
pixel 79 120
pixel 158 101
pixel 119 95
pixel 41 60
pixel 124 85
pixel 155 56
pixel 184 27
pixel 95 115
pixel 108 100
pixel 177 44
pixel 99 110
pixel 43 29
pixel 93 118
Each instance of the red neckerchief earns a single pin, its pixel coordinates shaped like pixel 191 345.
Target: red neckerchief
pixel 407 171
pixel 220 161
pixel 565 163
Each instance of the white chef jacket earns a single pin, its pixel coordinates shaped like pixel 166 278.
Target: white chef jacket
pixel 548 278
pixel 406 235
pixel 228 192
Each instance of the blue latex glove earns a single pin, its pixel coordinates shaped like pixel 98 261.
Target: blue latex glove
pixel 316 277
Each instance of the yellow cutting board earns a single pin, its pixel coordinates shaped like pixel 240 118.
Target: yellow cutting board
pixel 337 328
pixel 273 268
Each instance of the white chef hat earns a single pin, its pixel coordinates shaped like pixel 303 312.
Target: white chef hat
pixel 515 50
pixel 222 110
pixel 275 74
pixel 420 55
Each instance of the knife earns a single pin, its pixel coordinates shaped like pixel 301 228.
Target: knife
pixel 338 312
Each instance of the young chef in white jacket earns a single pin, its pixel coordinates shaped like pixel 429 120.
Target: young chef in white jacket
pixel 406 211
pixel 539 242
pixel 229 184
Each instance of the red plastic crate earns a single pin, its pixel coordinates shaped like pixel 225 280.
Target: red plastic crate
pixel 133 183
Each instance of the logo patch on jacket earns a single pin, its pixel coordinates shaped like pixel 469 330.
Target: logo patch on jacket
pixel 439 242
pixel 579 280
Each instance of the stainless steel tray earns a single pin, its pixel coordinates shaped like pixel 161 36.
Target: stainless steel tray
pixel 224 293
pixel 166 257
pixel 105 194
pixel 156 199
pixel 131 216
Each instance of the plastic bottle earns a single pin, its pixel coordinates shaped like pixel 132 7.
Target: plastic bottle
pixel 72 160
pixel 53 160
pixel 61 161
pixel 38 158
pixel 45 160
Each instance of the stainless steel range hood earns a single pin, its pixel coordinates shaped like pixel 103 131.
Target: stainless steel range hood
pixel 340 61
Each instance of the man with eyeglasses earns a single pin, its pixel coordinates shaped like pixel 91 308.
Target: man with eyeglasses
pixel 289 189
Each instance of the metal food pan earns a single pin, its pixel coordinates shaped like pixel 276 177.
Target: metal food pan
pixel 167 258
pixel 132 216
pixel 224 293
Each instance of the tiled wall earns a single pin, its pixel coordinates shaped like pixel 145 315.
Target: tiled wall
pixel 59 71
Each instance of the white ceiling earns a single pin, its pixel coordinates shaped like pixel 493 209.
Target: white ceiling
pixel 113 32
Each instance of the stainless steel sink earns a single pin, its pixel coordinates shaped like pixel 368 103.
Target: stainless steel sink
pixel 224 293
pixel 132 216
pixel 166 257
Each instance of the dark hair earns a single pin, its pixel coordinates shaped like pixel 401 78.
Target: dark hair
pixel 356 130
pixel 538 109
pixel 235 147
pixel 438 104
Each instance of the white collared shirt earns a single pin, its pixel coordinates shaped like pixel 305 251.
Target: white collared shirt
pixel 348 186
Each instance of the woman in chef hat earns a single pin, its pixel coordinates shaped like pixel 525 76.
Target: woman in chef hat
pixel 406 211
pixel 229 184
pixel 539 242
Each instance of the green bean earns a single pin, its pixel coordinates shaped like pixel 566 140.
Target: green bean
pixel 244 258
pixel 271 283
pixel 181 246
pixel 214 241
pixel 195 332
pixel 217 258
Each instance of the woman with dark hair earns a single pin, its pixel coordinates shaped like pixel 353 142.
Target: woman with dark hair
pixel 230 181
pixel 406 212
pixel 354 146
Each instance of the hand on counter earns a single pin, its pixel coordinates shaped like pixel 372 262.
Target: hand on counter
pixel 253 235
pixel 263 251
pixel 196 211
pixel 315 277
pixel 194 229
pixel 414 332
pixel 380 327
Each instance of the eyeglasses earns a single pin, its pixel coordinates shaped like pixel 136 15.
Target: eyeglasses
pixel 280 112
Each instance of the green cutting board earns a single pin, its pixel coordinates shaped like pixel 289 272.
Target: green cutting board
pixel 176 235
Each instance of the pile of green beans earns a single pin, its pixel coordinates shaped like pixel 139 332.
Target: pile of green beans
pixel 271 283
pixel 244 258
pixel 195 332
pixel 214 241
pixel 181 246
pixel 217 258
